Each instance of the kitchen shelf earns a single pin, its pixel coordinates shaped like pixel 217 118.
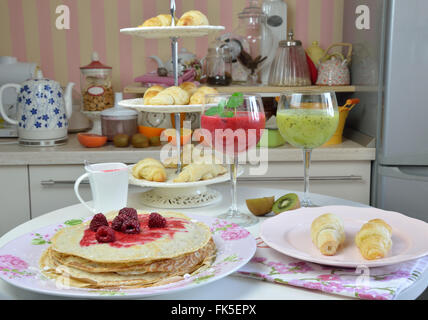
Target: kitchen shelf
pixel 263 90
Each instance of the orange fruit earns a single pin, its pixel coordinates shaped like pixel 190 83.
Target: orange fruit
pixel 170 134
pixel 150 131
pixel 90 140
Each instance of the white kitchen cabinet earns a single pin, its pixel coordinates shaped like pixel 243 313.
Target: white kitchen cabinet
pixel 348 180
pixel 52 187
pixel 14 197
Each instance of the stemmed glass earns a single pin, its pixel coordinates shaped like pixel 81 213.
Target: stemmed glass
pixel 307 121
pixel 232 124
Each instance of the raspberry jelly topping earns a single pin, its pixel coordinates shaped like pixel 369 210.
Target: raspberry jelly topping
pixel 123 240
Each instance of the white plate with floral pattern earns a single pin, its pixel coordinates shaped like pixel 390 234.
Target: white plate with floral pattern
pixel 289 233
pixel 19 263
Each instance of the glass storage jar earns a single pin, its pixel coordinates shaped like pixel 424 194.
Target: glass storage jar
pixel 254 40
pixel 290 66
pixel 218 65
pixel 119 120
pixel 96 85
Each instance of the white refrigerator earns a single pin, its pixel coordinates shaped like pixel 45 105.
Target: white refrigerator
pixel 402 164
pixel 390 70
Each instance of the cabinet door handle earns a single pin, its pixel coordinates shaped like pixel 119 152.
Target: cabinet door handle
pixel 58 182
pixel 298 179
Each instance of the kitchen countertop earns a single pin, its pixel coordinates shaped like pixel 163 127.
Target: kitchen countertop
pixel 74 153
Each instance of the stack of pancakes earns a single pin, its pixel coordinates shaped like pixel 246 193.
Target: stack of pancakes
pixel 105 265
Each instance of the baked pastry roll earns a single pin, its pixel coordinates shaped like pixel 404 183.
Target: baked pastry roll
pixel 171 96
pixel 200 171
pixel 189 87
pixel 162 20
pixel 186 157
pixel 151 93
pixel 199 96
pixel 193 18
pixel 374 239
pixel 328 233
pixel 149 169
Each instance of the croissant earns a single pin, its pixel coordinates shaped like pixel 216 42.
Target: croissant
pixel 193 18
pixel 189 87
pixel 149 169
pixel 162 20
pixel 200 171
pixel 328 233
pixel 151 93
pixel 199 96
pixel 171 96
pixel 186 157
pixel 374 239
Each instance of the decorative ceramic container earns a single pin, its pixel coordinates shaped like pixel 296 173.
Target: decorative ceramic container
pixel 334 68
pixel 43 109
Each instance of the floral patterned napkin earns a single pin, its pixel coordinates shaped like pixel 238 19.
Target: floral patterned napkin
pixel 384 283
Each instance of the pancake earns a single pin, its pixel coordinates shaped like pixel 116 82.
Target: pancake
pixel 77 278
pixel 168 265
pixel 190 237
pixel 151 258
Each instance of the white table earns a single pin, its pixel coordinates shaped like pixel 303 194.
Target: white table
pixel 229 288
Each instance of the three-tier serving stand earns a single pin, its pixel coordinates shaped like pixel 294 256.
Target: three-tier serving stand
pixel 170 195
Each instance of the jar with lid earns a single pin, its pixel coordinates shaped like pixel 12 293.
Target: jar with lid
pixel 290 66
pixel 119 120
pixel 218 65
pixel 96 85
pixel 253 40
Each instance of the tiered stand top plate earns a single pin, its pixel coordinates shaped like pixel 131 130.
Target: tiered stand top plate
pixel 138 104
pixel 172 32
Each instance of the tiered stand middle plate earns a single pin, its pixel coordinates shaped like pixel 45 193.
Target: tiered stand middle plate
pixel 172 195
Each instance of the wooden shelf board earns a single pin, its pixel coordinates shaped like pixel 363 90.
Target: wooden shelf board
pixel 265 90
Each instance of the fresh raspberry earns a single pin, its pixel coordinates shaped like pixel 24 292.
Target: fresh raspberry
pixel 129 213
pixel 117 223
pixel 130 226
pixel 105 234
pixel 156 221
pixel 98 221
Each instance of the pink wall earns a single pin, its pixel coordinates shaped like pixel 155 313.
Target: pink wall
pixel 91 24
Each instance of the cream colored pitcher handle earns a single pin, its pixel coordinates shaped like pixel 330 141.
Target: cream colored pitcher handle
pixel 340 44
pixel 2 112
pixel 76 191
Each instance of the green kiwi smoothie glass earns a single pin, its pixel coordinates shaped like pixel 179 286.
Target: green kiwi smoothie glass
pixel 307 121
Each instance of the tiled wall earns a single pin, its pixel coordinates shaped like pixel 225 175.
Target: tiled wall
pixel 27 31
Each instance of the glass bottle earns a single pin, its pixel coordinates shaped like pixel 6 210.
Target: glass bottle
pixel 276 12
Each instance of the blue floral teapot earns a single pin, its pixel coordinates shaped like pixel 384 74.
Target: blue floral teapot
pixel 43 109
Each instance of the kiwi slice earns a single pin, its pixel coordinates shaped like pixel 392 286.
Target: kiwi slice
pixel 260 207
pixel 121 140
pixel 139 140
pixel 286 203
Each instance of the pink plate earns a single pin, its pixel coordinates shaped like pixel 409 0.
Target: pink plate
pixel 19 263
pixel 289 233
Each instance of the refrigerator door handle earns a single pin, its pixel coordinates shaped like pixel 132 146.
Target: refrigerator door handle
pixel 407 173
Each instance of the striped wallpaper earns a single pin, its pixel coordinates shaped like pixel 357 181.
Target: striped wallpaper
pixel 27 31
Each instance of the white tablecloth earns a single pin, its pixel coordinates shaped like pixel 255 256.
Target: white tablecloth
pixel 229 288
